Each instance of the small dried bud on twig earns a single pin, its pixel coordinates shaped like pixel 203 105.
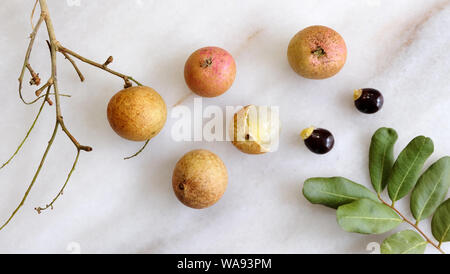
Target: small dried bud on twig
pixel 35 80
pixel 38 92
pixel 108 61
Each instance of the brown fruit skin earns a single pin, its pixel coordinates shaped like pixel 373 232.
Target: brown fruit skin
pixel 199 179
pixel 248 147
pixel 306 63
pixel 210 71
pixel 137 113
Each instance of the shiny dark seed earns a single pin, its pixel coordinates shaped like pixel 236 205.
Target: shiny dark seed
pixel 319 140
pixel 368 100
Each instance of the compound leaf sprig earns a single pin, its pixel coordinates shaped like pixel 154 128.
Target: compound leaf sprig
pixel 361 211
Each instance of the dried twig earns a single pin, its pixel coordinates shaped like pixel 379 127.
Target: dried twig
pixel 103 66
pixel 52 82
pixel 40 209
pixel 28 132
pixel 74 66
pixel 41 164
pixel 27 56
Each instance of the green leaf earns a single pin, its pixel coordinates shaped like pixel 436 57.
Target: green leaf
pixel 381 157
pixel 334 192
pixel 404 242
pixel 367 217
pixel 440 224
pixel 408 166
pixel 431 189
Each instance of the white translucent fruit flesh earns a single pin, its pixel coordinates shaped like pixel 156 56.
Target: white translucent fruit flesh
pixel 255 129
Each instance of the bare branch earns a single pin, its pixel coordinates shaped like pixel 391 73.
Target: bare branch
pixel 41 164
pixel 74 66
pixel 74 141
pixel 48 98
pixel 54 47
pixel 104 67
pixel 61 192
pixel 32 13
pixel 27 56
pixel 26 136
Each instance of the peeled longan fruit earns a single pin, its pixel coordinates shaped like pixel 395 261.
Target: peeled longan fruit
pixel 137 113
pixel 254 130
pixel 199 179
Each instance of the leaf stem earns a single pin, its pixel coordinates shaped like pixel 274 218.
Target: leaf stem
pixel 137 153
pixel 27 135
pixel 40 209
pixel 416 227
pixel 41 164
pixel 44 95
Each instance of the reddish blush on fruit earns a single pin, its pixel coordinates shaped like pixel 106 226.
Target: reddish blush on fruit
pixel 210 71
pixel 317 52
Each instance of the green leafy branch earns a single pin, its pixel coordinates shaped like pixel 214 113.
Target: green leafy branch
pixel 360 210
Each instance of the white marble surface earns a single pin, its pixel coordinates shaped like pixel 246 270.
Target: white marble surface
pixel 115 206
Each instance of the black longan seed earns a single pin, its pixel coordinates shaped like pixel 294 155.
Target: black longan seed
pixel 319 140
pixel 368 100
